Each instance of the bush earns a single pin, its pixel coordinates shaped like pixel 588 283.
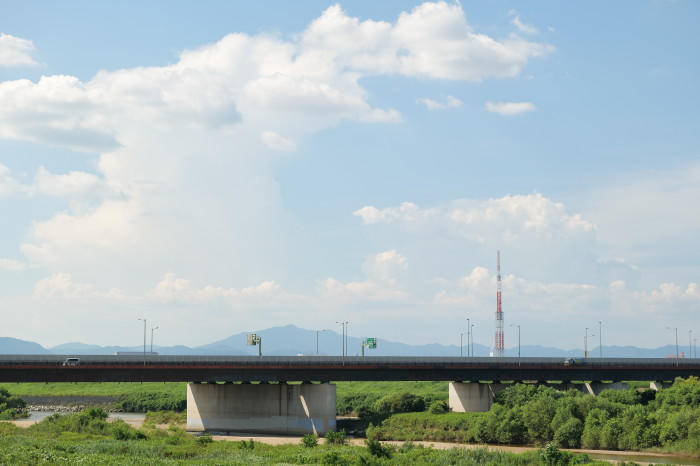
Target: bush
pixel 123 431
pixel 205 439
pixel 243 445
pixel 439 407
pixel 308 440
pixel 403 403
pixel 11 407
pixel 336 438
pixel 376 448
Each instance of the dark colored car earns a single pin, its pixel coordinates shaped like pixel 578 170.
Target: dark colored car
pixel 71 362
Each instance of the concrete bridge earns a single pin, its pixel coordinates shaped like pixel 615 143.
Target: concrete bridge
pixel 247 393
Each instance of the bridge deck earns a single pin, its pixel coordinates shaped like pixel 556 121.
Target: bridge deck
pixel 133 368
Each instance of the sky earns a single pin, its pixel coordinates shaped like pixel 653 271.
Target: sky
pixel 219 167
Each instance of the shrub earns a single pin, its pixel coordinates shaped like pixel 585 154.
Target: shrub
pixel 246 445
pixel 439 407
pixel 123 431
pixel 336 438
pixel 11 407
pixel 308 440
pixel 376 448
pixel 205 439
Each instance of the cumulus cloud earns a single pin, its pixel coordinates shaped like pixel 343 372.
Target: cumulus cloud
pixel 450 102
pixel 62 286
pixel 509 215
pixel 12 265
pixel 15 51
pixel 510 108
pixel 8 185
pixel 277 142
pixel 171 288
pixel 69 185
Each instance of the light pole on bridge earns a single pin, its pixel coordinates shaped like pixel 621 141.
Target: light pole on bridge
pixel 144 340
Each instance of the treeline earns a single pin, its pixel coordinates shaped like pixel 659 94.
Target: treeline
pixel 526 414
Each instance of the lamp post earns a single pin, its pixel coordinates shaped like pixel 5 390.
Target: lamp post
pixel 460 344
pixel 472 334
pixel 343 344
pixel 585 344
pixel 144 340
pixel 600 336
pixel 317 332
pixel 152 330
pixel 676 329
pixel 511 325
pixel 690 343
pixel 695 344
pixel 469 335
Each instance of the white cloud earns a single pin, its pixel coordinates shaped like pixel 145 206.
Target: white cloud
pixel 11 264
pixel 8 185
pixel 509 215
pixel 15 51
pixel 450 102
pixel 277 142
pixel 509 108
pixel 71 184
pixel 172 288
pixel 62 286
pixel 523 27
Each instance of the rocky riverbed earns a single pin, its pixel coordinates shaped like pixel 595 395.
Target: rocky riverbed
pixel 71 404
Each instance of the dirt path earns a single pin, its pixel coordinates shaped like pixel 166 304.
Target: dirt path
pixel 283 440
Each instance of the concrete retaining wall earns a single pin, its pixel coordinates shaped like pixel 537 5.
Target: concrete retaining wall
pixel 261 408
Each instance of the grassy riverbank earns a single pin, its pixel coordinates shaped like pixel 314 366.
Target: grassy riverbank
pixel 88 438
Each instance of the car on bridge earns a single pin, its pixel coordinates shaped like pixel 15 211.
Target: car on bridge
pixel 572 362
pixel 71 362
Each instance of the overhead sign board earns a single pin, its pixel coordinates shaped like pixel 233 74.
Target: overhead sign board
pixel 371 343
pixel 251 339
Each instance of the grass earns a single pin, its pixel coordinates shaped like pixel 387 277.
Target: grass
pixel 93 388
pixel 86 438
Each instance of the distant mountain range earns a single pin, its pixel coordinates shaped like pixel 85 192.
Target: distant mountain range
pixel 290 340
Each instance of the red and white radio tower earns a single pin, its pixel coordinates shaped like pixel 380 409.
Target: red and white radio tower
pixel 498 347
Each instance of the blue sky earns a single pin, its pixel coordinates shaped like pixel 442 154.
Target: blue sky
pixel 226 166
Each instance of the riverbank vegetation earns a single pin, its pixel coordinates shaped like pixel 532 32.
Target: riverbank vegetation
pixel 88 438
pixel 525 414
pixel 11 407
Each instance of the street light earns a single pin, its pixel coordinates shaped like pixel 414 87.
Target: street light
pixel 585 343
pixel 144 339
pixel 152 329
pixel 511 325
pixel 600 336
pixel 469 335
pixel 317 332
pixel 460 344
pixel 676 329
pixel 343 324
pixel 472 333
pixel 690 343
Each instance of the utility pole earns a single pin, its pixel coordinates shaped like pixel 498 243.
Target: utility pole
pixel 600 336
pixel 585 344
pixel 690 343
pixel 460 344
pixel 343 344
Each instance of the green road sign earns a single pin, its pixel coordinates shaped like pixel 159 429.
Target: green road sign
pixel 371 343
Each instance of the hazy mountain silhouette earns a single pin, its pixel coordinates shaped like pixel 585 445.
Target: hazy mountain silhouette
pixel 292 340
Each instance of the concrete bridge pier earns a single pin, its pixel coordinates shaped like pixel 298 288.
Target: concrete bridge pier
pixel 472 397
pixel 656 386
pixel 261 408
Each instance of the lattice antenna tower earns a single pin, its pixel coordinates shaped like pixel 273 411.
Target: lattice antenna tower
pixel 498 347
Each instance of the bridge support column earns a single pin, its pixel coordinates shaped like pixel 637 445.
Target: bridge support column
pixel 473 397
pixel 594 388
pixel 656 386
pixel 261 408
